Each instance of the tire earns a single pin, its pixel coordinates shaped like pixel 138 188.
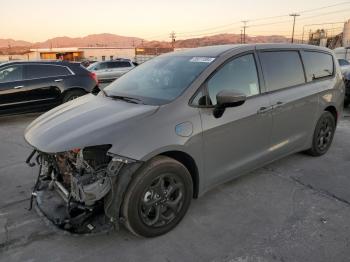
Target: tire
pixel 72 94
pixel 157 198
pixel 323 135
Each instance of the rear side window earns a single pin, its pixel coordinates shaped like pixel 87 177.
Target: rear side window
pixel 98 66
pixel 11 73
pixel 282 69
pixel 118 64
pixel 41 71
pixel 317 65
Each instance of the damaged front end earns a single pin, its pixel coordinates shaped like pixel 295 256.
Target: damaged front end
pixel 81 190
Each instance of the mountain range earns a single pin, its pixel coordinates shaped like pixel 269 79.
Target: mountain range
pixel 112 40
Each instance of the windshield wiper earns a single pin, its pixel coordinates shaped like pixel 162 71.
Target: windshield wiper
pixel 127 99
pixel 124 98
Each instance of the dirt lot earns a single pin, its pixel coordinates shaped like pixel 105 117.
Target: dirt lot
pixel 296 209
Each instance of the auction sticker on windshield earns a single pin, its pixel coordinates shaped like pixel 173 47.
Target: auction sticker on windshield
pixel 197 59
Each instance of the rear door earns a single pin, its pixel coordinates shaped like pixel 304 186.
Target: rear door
pixel 239 140
pixel 101 70
pixel 118 68
pixel 294 102
pixel 44 83
pixel 12 95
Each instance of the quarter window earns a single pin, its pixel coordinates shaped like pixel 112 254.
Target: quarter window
pixel 11 73
pixel 282 69
pixel 317 65
pixel 41 71
pixel 118 64
pixel 238 75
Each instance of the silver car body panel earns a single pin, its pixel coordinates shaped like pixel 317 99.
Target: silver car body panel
pixel 222 148
pixel 106 74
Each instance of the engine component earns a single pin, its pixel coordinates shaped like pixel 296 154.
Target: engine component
pixel 90 188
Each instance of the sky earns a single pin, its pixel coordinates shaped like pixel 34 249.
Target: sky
pixel 39 20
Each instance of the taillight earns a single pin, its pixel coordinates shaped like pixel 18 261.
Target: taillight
pixel 94 77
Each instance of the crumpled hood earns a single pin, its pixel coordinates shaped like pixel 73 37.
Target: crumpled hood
pixel 87 121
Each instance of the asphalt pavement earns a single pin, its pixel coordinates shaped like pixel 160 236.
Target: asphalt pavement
pixel 296 209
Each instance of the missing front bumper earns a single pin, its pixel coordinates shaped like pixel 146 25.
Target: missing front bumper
pixel 80 215
pixel 80 220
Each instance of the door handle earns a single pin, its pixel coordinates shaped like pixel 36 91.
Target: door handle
pixel 264 109
pixel 58 80
pixel 18 87
pixel 278 104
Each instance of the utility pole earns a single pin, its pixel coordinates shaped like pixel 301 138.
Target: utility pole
pixel 244 27
pixel 10 57
pixel 241 36
pixel 173 37
pixel 294 16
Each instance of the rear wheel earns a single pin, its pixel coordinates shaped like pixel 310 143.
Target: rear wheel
pixel 323 135
pixel 72 94
pixel 158 197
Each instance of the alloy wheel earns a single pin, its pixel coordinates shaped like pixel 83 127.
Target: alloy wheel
pixel 325 134
pixel 161 201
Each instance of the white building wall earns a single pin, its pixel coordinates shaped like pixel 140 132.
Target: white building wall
pixel 346 34
pixel 107 53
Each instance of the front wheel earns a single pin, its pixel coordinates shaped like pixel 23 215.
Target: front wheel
pixel 158 197
pixel 323 135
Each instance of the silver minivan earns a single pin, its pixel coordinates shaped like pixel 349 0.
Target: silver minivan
pixel 176 126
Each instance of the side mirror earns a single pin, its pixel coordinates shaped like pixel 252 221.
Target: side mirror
pixel 226 99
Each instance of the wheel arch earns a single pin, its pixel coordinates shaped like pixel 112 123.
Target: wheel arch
pixel 332 109
pixel 74 88
pixel 71 90
pixel 189 163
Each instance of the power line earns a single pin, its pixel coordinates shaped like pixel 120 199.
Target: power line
pixel 328 13
pixel 266 18
pixel 207 30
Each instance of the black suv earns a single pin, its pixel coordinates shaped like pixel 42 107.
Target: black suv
pixel 40 85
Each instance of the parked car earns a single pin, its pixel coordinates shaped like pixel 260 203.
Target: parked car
pixel 37 86
pixel 345 69
pixel 108 71
pixel 178 125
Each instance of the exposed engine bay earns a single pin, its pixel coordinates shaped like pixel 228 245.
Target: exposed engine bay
pixel 81 190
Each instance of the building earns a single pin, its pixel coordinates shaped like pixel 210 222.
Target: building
pixel 82 53
pixel 139 55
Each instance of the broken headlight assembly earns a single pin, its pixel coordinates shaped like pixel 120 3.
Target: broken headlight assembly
pixel 81 190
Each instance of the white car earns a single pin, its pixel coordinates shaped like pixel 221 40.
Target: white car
pixel 344 65
pixel 110 70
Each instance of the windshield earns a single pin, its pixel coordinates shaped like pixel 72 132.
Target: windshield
pixel 159 80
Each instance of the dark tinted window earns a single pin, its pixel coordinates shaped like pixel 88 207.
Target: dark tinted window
pixel 317 65
pixel 118 64
pixel 282 69
pixel 40 71
pixel 343 62
pixel 199 99
pixel 11 73
pixel 98 66
pixel 238 75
